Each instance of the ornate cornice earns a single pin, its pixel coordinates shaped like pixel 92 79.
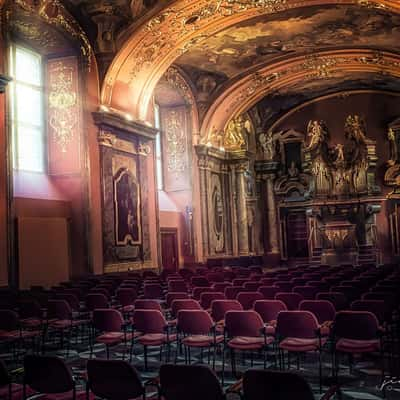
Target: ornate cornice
pixel 245 92
pixel 160 40
pixel 114 123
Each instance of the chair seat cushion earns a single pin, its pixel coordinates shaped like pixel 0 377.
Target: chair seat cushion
pixel 16 392
pixel 113 337
pixel 202 340
pixel 65 324
pixel 248 343
pixel 156 339
pixel 127 309
pixel 31 322
pixel 14 335
pixel 301 344
pixel 357 346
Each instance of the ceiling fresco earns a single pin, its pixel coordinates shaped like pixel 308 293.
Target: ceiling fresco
pixel 259 40
pixel 272 107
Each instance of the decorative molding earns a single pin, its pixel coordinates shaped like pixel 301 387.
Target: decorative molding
pixel 178 27
pixel 112 121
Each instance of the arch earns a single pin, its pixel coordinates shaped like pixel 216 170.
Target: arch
pixel 174 30
pixel 248 90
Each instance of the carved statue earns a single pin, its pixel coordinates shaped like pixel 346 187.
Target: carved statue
pixel 237 132
pixel 339 154
pixel 355 129
pixel 267 143
pixel 393 147
pixel 213 138
pixel 317 132
pixel 293 171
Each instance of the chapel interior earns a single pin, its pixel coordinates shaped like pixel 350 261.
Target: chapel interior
pixel 200 199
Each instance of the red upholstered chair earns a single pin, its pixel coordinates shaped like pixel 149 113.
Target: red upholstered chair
pixel 50 376
pixel 194 382
pixel 147 304
pixel 268 281
pixel 252 286
pixel 247 299
pixel 184 304
pixel 231 292
pixel 199 281
pixel 308 292
pixel 338 299
pixel 196 329
pixel 324 312
pixel 269 292
pixel 113 330
pixel 376 307
pixel 171 296
pixel 197 291
pixel 206 298
pixel 215 277
pixel 240 281
pixel 299 281
pixel 292 300
pixel 178 286
pixel 114 379
pixel 221 286
pixel 298 332
pixel 356 332
pixel 154 330
pixel 268 384
pixel 220 307
pixel 96 300
pixel 153 291
pixel 245 331
pixel 30 314
pixel 125 298
pixel 269 310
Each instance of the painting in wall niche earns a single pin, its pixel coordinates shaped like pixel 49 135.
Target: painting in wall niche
pixel 217 214
pixel 127 208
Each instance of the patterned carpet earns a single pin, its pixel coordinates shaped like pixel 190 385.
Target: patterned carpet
pixel 363 382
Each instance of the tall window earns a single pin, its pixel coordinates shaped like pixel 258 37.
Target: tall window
pixel 157 123
pixel 27 109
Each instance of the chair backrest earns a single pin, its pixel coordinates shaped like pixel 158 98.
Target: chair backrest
pixel 275 385
pixel 70 298
pixel 232 291
pixel 356 325
pixel 199 281
pixel 5 378
pixel 184 304
pixel 147 304
pixel 292 300
pixel 308 292
pixel 247 299
pixel 322 309
pixel 267 281
pixel 126 296
pixel 269 292
pixel 252 286
pixel 108 320
pixel 221 286
pixel 59 309
pixel 149 321
pixel 194 322
pixel 269 309
pixel 197 291
pixel 177 286
pixel 30 309
pixel 206 298
pixel 194 382
pixel 96 300
pixel 171 296
pixel 47 374
pixel 338 299
pixel 152 291
pixel 243 323
pixel 113 379
pixel 220 307
pixel 298 324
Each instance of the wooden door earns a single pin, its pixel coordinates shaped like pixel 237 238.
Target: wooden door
pixel 169 249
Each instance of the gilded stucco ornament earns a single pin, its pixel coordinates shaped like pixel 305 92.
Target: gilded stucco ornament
pixel 54 13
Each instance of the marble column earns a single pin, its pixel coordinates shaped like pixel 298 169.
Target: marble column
pixel 241 205
pixel 273 238
pixel 203 193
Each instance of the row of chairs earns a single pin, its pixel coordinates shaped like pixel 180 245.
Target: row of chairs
pixel 119 380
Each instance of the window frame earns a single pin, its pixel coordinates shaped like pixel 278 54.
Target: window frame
pixel 14 122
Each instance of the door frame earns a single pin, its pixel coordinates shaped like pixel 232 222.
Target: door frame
pixel 173 231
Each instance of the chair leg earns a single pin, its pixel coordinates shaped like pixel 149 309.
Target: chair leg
pixel 108 352
pixel 223 365
pixel 233 362
pixel 131 351
pixel 320 371
pixel 145 357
